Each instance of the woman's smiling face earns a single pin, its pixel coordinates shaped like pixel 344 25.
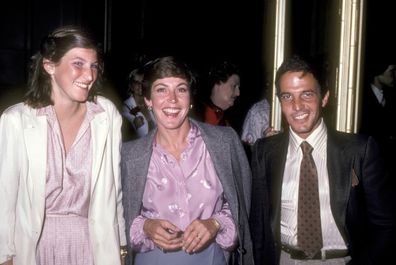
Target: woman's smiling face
pixel 170 102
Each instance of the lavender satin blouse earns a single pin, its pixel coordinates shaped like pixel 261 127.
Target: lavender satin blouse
pixel 183 191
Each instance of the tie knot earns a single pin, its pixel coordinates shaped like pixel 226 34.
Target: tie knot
pixel 306 148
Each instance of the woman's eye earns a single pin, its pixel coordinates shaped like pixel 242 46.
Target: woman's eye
pixel 160 90
pixel 95 66
pixel 78 63
pixel 183 90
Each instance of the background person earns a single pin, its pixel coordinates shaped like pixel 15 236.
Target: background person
pixel 379 109
pixel 138 119
pixel 223 85
pixel 257 122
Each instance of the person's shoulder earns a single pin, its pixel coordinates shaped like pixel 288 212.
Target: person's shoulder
pixel 19 116
pixel 260 104
pixel 258 111
pixel 270 146
pixel 129 148
pixel 139 145
pixel 132 143
pixel 215 130
pixel 224 134
pixel 17 109
pixel 348 138
pixel 106 104
pixel 352 143
pixel 271 142
pixel 128 145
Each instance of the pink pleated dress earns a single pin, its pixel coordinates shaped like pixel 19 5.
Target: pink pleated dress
pixel 65 236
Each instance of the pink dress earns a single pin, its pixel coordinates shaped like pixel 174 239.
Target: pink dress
pixel 65 236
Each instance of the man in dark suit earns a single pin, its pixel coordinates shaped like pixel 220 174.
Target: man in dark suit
pixel 379 108
pixel 356 217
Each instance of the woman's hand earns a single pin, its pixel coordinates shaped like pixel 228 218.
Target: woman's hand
pixel 164 234
pixel 199 234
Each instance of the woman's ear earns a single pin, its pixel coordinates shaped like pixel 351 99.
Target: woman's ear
pixel 49 66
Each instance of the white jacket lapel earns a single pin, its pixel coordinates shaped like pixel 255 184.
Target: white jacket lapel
pixel 35 134
pixel 99 132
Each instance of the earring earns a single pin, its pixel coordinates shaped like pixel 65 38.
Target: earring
pixel 150 108
pixel 191 106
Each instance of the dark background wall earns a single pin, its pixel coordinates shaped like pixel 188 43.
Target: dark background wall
pixel 200 31
pixel 22 25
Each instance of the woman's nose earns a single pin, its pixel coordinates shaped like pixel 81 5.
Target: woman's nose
pixel 172 97
pixel 89 74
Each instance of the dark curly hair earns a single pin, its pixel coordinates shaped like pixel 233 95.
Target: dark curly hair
pixel 221 71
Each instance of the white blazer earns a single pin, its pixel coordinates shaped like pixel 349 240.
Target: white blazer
pixel 23 164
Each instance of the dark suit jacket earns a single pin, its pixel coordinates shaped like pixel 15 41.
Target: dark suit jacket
pixel 377 120
pixel 361 205
pixel 231 166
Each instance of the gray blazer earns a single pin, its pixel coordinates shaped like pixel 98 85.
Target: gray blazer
pixel 231 166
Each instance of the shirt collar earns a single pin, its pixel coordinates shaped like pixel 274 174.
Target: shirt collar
pixel 49 111
pixel 316 139
pixel 379 93
pixel 192 135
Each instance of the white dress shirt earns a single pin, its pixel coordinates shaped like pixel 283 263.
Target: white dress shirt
pixel 332 238
pixel 379 94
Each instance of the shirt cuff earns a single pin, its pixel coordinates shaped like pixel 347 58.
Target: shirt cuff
pixel 139 240
pixel 227 235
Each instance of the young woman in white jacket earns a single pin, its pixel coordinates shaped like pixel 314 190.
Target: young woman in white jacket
pixel 60 194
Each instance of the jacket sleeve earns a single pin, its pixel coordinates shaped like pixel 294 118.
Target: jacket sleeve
pixel 259 220
pixel 243 180
pixel 239 157
pixel 117 142
pixel 379 200
pixel 10 139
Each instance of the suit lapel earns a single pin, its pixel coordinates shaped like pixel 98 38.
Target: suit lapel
pixel 277 163
pixel 339 176
pixel 99 132
pixel 35 134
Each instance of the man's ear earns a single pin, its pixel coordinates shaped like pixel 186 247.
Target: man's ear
pixel 325 99
pixel 49 66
